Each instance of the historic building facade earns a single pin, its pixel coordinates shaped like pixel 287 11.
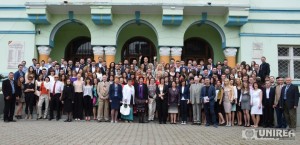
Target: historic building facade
pixel 238 30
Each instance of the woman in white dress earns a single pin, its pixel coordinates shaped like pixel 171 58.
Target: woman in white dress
pixel 128 99
pixel 256 104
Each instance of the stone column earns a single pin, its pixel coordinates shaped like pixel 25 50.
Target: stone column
pixel 230 54
pixel 176 53
pixel 98 52
pixel 110 53
pixel 44 52
pixel 164 53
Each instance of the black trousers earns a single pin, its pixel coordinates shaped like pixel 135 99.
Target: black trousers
pixel 9 108
pixel 183 110
pixel 209 109
pixel 268 114
pixel 162 109
pixel 88 105
pixel 55 105
pixel 78 106
pixel 141 117
pixel 30 102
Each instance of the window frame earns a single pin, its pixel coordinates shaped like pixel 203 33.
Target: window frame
pixel 290 58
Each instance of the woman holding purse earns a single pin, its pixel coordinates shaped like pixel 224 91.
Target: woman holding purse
pixel 128 100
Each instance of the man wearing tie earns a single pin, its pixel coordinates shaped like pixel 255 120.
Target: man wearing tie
pixel 9 92
pixel 267 101
pixel 278 108
pixel 103 107
pixel 289 100
pixel 56 89
pixel 195 91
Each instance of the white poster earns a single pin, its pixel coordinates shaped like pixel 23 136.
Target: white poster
pixel 15 53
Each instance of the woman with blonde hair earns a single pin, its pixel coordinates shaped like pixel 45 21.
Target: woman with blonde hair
pixel 227 99
pixel 238 83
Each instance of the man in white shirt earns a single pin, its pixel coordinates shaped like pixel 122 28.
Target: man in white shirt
pixel 56 88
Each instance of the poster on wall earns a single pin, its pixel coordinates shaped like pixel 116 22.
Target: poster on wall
pixel 15 53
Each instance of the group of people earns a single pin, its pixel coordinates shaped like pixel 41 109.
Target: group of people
pixel 197 92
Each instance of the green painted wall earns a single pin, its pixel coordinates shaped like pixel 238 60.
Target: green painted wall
pixel 134 30
pixel 62 38
pixel 209 34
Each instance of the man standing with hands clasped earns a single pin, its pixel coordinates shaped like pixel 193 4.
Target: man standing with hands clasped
pixel 9 92
pixel 289 100
pixel 208 94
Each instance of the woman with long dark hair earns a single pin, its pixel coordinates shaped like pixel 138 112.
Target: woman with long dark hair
pixel 68 99
pixel 87 99
pixel 21 101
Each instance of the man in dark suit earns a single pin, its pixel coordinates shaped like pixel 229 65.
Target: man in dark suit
pixel 38 70
pixel 104 67
pixel 141 99
pixel 289 99
pixel 19 72
pixel 9 88
pixel 264 69
pixel 267 101
pixel 208 94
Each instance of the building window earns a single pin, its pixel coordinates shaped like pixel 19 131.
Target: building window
pixel 289 61
pixel 136 47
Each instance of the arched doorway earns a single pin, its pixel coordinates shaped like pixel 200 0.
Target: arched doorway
pixel 196 48
pixel 137 46
pixel 63 38
pixel 79 47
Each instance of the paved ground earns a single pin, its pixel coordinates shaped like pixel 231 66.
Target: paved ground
pixel 79 133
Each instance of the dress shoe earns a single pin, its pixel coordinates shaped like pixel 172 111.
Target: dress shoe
pixel 50 119
pixel 67 120
pixel 57 119
pixel 216 126
pixel 70 120
pixel 12 121
pixel 6 121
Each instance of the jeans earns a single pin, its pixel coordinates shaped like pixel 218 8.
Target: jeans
pixel 209 109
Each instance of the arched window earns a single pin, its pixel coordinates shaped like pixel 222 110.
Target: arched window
pixel 196 49
pixel 137 46
pixel 78 48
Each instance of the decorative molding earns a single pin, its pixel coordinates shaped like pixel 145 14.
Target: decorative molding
pixel 45 50
pixel 259 10
pixel 268 35
pixel 236 20
pixel 230 52
pixel 175 20
pixel 98 50
pixel 110 50
pixel 17 32
pixel 38 18
pixel 164 51
pixel 176 51
pixel 102 19
pixel 274 21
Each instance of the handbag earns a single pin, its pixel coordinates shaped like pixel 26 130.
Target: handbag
pixel 125 109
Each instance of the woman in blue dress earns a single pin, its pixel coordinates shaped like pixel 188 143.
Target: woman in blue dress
pixel 115 98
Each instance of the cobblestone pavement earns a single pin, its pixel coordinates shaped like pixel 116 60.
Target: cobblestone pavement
pixel 81 133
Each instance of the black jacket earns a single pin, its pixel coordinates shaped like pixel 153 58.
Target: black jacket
pixel 271 96
pixel 292 96
pixel 7 89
